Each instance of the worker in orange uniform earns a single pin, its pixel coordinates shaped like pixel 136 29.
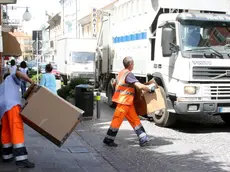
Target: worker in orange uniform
pixel 124 96
pixel 12 135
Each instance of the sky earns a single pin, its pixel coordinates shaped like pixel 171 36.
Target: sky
pixel 37 9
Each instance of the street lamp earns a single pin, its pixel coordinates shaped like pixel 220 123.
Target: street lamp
pixel 27 16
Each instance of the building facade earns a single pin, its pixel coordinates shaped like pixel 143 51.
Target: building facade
pixel 55 32
pixel 73 10
pixel 91 23
pixel 45 43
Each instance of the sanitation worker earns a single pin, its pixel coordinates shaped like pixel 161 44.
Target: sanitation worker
pixel 12 136
pixel 124 95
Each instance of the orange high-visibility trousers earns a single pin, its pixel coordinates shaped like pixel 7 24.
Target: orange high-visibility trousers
pixel 128 112
pixel 12 127
pixel 125 111
pixel 13 136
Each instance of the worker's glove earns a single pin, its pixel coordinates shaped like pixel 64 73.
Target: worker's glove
pixel 152 88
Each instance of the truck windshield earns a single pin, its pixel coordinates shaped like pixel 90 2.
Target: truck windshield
pixel 82 57
pixel 205 36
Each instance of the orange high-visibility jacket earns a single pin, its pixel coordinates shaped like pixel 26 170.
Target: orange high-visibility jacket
pixel 124 93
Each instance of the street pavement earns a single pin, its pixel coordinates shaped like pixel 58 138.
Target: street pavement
pixel 74 156
pixel 198 144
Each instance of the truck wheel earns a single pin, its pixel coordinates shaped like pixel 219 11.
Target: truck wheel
pixel 110 95
pixel 225 118
pixel 163 118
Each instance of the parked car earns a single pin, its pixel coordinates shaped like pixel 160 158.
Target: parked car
pixel 32 65
pixel 55 72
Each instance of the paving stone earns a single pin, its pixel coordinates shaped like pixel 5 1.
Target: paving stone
pixel 78 150
pixel 199 145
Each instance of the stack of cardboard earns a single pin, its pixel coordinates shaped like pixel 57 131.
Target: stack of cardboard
pixel 49 114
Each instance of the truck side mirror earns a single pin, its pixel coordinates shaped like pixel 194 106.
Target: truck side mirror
pixel 167 39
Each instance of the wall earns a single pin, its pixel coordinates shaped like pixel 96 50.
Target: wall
pixel 55 32
pixel 25 41
pixel 84 7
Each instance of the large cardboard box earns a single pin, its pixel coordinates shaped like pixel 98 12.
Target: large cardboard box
pixel 147 103
pixel 49 114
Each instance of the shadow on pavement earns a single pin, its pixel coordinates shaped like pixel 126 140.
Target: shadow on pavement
pixel 201 124
pixel 163 154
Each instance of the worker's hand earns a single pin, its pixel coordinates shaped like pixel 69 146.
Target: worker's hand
pixel 113 83
pixel 152 88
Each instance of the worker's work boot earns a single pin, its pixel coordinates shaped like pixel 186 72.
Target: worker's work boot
pixel 25 164
pixel 144 141
pixel 8 160
pixel 110 143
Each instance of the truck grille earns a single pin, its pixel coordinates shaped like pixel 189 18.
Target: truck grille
pixel 209 72
pixel 83 75
pixel 217 92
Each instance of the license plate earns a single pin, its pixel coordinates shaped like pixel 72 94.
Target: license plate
pixel 224 109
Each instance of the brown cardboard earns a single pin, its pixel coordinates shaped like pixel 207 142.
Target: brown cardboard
pixel 154 101
pixel 147 103
pixel 140 103
pixel 49 114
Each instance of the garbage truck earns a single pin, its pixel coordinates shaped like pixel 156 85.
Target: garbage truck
pixel 183 45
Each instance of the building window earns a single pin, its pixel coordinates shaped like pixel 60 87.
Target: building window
pixel 51 44
pixel 82 31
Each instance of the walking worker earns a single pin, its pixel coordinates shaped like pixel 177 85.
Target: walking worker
pixel 23 68
pixel 124 96
pixel 48 79
pixel 12 135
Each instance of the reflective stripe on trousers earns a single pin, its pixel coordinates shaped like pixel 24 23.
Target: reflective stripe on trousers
pixel 18 151
pixel 7 151
pixel 121 112
pixel 111 134
pixel 140 131
pixel 13 135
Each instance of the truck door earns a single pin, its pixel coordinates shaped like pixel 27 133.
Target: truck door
pixel 167 53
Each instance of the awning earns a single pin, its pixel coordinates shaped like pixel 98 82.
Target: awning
pixel 11 46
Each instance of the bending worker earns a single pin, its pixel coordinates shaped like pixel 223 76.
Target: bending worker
pixel 124 96
pixel 12 124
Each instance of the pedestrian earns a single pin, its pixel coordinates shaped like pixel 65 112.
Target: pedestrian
pixel 23 68
pixel 12 135
pixel 124 95
pixel 6 68
pixel 13 67
pixel 48 79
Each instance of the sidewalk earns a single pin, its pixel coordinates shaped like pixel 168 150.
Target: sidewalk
pixel 74 156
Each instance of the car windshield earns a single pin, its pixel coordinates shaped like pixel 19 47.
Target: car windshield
pixel 82 57
pixel 205 36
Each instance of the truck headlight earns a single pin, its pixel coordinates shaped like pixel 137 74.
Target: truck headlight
pixel 190 89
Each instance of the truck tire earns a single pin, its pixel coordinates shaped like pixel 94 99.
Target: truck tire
pixel 226 118
pixel 164 118
pixel 110 95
